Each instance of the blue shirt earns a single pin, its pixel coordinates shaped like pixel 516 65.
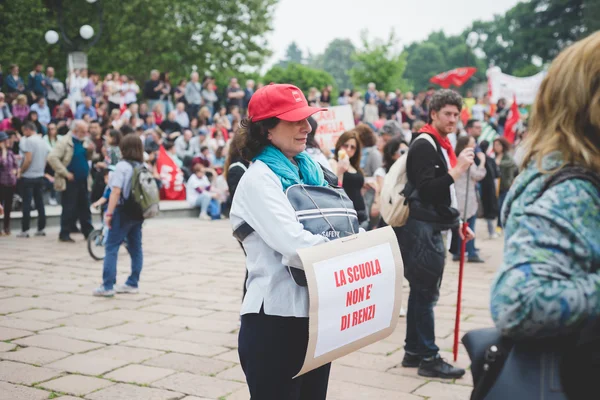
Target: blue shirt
pixel 83 110
pixel 35 84
pixel 79 163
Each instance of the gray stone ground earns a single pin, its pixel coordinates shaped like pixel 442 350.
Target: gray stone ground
pixel 177 339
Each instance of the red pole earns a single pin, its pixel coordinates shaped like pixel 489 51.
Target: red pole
pixel 463 249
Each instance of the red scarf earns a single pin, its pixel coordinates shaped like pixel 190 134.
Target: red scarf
pixel 444 142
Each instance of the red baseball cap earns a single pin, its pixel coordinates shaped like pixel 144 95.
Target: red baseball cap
pixel 283 101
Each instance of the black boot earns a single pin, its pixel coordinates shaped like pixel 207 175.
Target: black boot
pixel 411 360
pixel 437 367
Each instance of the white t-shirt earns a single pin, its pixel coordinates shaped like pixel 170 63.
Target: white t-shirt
pixel 379 172
pixel 131 90
pixel 408 104
pixel 194 183
pixel 478 111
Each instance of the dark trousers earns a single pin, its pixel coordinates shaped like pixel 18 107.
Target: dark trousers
pixel 420 326
pixel 6 199
pixel 272 350
pixel 75 206
pixel 192 110
pixel 501 199
pixel 33 188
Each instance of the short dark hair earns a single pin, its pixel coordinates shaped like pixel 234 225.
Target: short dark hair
pixel 116 137
pixel 471 123
pixel 132 148
pixel 443 98
pixel 126 129
pixel 30 125
pixel 168 145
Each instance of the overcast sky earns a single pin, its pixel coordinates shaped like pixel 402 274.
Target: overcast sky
pixel 312 24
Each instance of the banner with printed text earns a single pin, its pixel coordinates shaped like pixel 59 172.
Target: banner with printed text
pixel 171 177
pixel 331 124
pixel 355 290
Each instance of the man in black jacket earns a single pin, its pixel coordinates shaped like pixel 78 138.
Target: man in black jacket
pixel 432 171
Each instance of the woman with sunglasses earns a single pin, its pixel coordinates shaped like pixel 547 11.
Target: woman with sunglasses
pixel 346 165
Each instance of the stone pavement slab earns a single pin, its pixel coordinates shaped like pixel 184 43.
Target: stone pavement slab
pixel 129 354
pixel 34 355
pixel 15 372
pixel 198 385
pixel 54 342
pixel 86 364
pixel 8 391
pixel 139 374
pixel 188 363
pixel 76 384
pixel 185 322
pixel 131 392
pixel 10 333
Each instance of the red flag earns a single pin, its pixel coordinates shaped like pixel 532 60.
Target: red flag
pixel 456 77
pixel 171 177
pixel 510 132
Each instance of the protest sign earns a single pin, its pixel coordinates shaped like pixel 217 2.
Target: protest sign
pixel 354 286
pixel 331 124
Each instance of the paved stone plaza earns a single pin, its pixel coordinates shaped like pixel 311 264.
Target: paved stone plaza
pixel 177 339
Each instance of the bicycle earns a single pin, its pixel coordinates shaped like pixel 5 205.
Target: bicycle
pixel 96 242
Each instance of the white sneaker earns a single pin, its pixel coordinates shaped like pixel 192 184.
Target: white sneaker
pixel 102 292
pixel 126 289
pixel 52 202
pixel 402 312
pixel 204 217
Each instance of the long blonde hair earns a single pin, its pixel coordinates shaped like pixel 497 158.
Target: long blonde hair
pixel 566 114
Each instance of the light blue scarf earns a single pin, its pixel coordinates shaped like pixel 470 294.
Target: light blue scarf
pixel 290 174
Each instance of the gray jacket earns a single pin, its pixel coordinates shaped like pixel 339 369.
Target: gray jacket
pixel 193 93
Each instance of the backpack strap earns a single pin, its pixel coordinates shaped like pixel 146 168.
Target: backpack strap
pixel 238 164
pixel 569 172
pixel 244 229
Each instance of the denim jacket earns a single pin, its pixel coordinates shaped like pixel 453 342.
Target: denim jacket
pixel 549 282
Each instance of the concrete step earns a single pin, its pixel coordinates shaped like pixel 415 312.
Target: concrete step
pixel 168 209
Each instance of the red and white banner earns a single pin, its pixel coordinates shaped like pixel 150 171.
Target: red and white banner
pixel 171 177
pixel 331 124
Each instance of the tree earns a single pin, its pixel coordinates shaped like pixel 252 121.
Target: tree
pixel 423 60
pixel 337 60
pixel 299 75
pixel 169 35
pixel 379 63
pixel 293 54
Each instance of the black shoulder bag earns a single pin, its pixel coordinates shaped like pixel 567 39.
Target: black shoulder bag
pixel 548 369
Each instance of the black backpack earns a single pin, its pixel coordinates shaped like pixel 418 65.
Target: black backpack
pixel 547 369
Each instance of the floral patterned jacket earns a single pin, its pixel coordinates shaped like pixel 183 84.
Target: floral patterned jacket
pixel 549 282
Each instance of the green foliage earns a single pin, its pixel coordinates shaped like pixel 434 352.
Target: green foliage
pixel 300 75
pixel 169 35
pixel 293 54
pixel 378 62
pixel 337 59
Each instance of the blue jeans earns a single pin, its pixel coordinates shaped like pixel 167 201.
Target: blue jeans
pixel 471 252
pixel 203 201
pixel 420 325
pixel 123 228
pixel 32 188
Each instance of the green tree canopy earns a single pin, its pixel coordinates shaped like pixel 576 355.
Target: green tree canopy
pixel 169 35
pixel 293 54
pixel 337 59
pixel 378 62
pixel 299 75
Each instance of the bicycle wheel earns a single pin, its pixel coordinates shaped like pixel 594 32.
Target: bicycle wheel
pixel 95 245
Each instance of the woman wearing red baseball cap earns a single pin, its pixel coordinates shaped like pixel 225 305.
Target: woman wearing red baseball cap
pixel 274 332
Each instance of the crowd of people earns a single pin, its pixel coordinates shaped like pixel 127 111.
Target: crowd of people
pixel 60 140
